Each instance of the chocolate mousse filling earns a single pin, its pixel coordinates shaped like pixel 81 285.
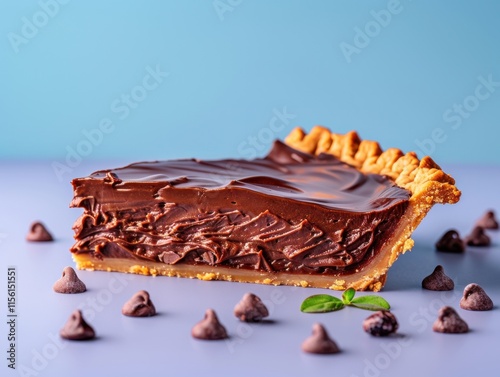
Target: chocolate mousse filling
pixel 290 212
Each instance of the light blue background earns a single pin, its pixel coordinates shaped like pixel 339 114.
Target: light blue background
pixel 233 64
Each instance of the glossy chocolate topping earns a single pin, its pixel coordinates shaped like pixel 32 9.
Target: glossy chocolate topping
pixel 289 211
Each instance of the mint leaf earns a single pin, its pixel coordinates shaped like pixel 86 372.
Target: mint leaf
pixel 348 295
pixel 321 304
pixel 370 303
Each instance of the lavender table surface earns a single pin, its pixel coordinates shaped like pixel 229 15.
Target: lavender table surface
pixel 162 345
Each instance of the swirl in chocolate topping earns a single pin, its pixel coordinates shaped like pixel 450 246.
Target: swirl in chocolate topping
pixel 278 213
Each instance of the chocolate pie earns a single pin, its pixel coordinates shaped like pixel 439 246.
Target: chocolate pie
pixel 320 210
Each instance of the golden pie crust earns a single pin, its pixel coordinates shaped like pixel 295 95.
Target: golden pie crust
pixel 425 180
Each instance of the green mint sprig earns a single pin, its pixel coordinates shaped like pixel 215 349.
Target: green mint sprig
pixel 326 303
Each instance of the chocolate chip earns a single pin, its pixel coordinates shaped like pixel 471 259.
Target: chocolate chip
pixel 139 305
pixel 250 309
pixel 76 328
pixel 478 238
pixel 451 242
pixel 319 342
pixel 488 221
pixel 69 282
pixel 381 323
pixel 209 328
pixel 475 298
pixel 449 322
pixel 438 281
pixel 38 233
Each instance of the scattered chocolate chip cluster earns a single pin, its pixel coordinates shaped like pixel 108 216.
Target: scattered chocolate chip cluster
pixel 251 308
pixel 76 328
pixel 474 298
pixel 452 243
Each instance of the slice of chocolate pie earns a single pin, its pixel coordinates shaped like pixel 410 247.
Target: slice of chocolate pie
pixel 326 211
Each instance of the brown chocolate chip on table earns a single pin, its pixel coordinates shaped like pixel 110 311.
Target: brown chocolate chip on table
pixel 250 309
pixel 449 322
pixel 76 328
pixel 478 238
pixel 209 328
pixel 475 298
pixel 451 242
pixel 69 282
pixel 139 305
pixel 319 342
pixel 488 221
pixel 38 233
pixel 381 323
pixel 438 281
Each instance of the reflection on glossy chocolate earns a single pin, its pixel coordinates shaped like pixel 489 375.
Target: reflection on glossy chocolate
pixel 289 211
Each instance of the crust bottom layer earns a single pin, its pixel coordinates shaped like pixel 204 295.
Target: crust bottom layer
pixel 205 272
